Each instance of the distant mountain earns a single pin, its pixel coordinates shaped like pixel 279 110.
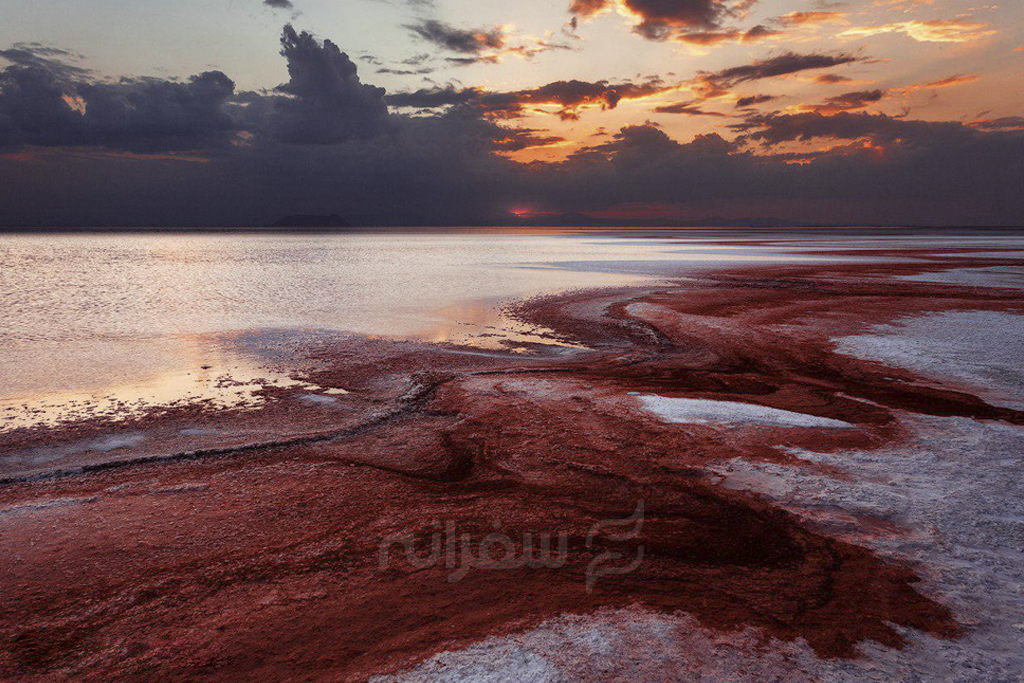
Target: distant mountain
pixel 308 221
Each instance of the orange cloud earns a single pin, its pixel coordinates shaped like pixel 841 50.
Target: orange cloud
pixel 934 85
pixel 831 79
pixel 846 102
pixel 902 4
pixel 937 31
pixel 710 38
pixel 810 18
pixel 1004 123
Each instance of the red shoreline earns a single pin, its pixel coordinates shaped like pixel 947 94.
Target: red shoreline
pixel 261 562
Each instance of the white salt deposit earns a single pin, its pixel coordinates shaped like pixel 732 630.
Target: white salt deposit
pixel 955 487
pixel 703 411
pixel 1003 277
pixel 979 349
pixel 317 399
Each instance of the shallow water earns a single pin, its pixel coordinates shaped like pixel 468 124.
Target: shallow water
pixel 108 319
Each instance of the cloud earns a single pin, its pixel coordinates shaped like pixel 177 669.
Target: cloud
pixel 781 65
pixel 84 151
pixel 754 100
pixel 950 81
pixel 810 18
pixel 279 4
pixel 54 61
pixel 567 97
pixel 478 46
pixel 421 71
pixel 48 104
pixel 436 97
pixel 846 102
pixel 774 129
pixel 588 8
pixel 699 23
pixel 454 39
pixel 659 19
pixel 711 38
pixel 518 139
pixel 1004 123
pixel 937 31
pixel 324 100
pixel 688 108
pixel 411 66
pixel 719 82
pixel 831 79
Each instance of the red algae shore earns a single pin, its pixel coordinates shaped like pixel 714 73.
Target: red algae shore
pixel 255 555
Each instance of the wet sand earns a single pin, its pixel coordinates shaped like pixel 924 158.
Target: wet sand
pixel 244 544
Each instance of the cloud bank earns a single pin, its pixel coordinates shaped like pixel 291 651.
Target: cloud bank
pixel 79 150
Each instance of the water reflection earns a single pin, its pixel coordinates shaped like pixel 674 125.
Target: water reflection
pixel 94 324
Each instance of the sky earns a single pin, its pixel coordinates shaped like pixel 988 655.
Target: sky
pixel 436 112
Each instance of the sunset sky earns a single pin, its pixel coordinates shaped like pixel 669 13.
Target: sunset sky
pixel 234 112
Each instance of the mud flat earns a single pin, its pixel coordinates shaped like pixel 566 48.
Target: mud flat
pixel 800 510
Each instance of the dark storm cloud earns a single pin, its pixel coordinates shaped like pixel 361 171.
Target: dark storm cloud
pixel 721 83
pixel 455 39
pixel 48 103
pixel 848 101
pixel 698 22
pixel 518 139
pixel 411 66
pixel 1004 123
pixel 780 65
pixel 44 103
pixel 479 46
pixel 658 18
pixel 421 71
pixel 568 96
pixel 325 142
pixel 718 83
pixel 688 108
pixel 942 173
pixel 434 98
pixel 50 59
pixel 279 4
pixel 753 100
pixel 571 95
pixel 325 102
pixel 889 132
pixel 661 16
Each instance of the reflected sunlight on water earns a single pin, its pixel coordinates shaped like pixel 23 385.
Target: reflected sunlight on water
pixel 108 320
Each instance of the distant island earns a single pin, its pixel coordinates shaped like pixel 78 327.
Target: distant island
pixel 309 221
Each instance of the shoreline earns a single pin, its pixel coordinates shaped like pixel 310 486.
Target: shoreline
pixel 281 536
